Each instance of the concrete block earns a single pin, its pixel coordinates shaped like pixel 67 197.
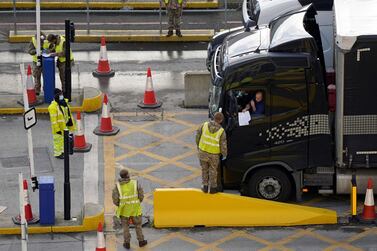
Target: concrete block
pixel 197 86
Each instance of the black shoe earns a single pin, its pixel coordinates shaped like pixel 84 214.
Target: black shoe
pixel 126 245
pixel 61 156
pixel 170 33
pixel 143 243
pixel 205 189
pixel 178 32
pixel 213 190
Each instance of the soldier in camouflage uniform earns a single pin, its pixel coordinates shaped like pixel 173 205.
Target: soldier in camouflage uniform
pixel 174 9
pixel 37 69
pixel 127 196
pixel 211 142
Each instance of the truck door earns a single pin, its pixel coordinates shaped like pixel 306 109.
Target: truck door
pixel 248 140
pixel 289 130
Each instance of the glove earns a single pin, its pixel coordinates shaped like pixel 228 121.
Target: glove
pixel 59 132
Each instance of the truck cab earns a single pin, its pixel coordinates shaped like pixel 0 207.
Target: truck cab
pixel 259 13
pixel 282 64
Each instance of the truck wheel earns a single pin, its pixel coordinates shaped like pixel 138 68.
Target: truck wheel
pixel 270 184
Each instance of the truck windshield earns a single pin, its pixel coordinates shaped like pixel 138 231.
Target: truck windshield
pixel 214 100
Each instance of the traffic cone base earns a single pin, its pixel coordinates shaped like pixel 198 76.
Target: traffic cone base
pixel 82 149
pixel 98 74
pixel 17 220
pixel 152 106
pixel 114 130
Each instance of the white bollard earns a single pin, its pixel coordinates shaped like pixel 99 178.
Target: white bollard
pixel 23 225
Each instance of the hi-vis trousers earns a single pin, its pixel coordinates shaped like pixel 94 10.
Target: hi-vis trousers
pixel 58 144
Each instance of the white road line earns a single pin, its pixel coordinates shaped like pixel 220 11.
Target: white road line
pixel 90 177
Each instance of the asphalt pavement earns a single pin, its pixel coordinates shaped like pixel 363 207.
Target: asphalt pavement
pixel 159 151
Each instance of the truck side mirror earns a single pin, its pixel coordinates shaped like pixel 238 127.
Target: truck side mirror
pixel 250 23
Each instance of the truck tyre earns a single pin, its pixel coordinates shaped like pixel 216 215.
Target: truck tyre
pixel 269 183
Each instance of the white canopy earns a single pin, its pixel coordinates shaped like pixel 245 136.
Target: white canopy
pixel 354 18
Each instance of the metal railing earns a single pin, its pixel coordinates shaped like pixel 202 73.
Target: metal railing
pixel 88 11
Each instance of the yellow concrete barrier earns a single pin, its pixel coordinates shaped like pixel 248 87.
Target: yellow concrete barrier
pixel 191 207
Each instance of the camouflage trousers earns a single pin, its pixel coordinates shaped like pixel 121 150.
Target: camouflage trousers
pixel 210 164
pixel 37 73
pixel 175 18
pixel 137 221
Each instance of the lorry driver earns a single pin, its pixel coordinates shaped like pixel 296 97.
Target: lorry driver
pixel 256 105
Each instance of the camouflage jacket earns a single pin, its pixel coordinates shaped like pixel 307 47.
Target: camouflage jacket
pixel 115 194
pixel 214 127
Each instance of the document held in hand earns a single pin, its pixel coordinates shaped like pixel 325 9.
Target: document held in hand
pixel 244 118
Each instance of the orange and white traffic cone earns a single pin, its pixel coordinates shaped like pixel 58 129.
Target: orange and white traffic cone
pixel 105 128
pixel 30 88
pixel 28 211
pixel 369 212
pixel 103 68
pixel 80 144
pixel 150 100
pixel 101 244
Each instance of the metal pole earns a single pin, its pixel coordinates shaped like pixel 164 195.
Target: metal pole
pixel 29 133
pixel 14 17
pixel 339 57
pixel 226 13
pixel 68 82
pixel 38 23
pixel 160 17
pixel 24 235
pixel 67 185
pixel 353 210
pixel 87 17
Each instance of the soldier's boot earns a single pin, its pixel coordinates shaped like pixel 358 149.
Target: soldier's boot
pixel 126 245
pixel 213 190
pixel 143 243
pixel 170 33
pixel 205 189
pixel 178 32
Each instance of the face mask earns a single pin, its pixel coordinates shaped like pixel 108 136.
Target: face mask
pixel 61 97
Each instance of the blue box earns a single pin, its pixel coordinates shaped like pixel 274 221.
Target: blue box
pixel 48 68
pixel 46 200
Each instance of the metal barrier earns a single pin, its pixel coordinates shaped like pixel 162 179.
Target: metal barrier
pixel 125 10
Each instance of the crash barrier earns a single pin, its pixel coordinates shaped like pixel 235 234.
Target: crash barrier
pixel 82 36
pixel 189 207
pixel 92 214
pixel 197 86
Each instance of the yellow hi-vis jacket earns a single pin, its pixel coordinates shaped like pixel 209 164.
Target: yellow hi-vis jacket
pixel 179 1
pixel 210 142
pixel 59 119
pixel 59 48
pixel 129 203
pixel 45 45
